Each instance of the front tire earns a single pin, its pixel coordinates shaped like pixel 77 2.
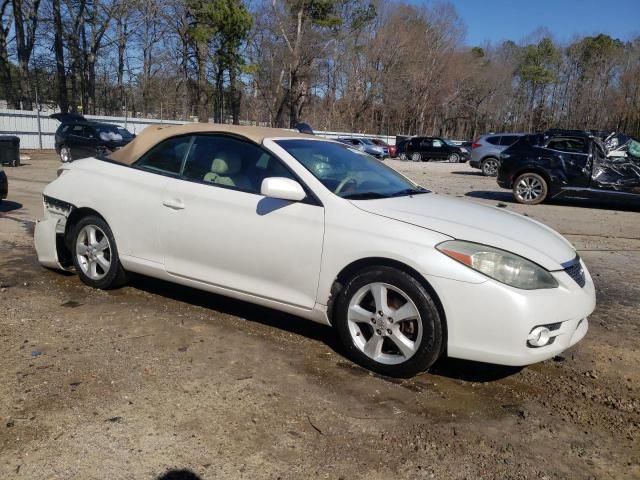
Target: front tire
pixel 95 254
pixel 65 154
pixel 388 322
pixel 489 167
pixel 530 189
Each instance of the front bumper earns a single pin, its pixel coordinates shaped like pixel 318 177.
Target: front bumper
pixel 4 185
pixel 490 322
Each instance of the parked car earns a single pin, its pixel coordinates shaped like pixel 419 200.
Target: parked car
pixel 303 127
pixel 390 148
pixel 424 149
pixel 311 227
pixel 4 184
pixel 485 151
pixel 538 167
pixel 77 137
pixel 366 145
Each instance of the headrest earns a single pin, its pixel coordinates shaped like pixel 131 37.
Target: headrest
pixel 224 164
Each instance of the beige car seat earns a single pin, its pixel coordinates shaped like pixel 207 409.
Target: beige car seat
pixel 225 170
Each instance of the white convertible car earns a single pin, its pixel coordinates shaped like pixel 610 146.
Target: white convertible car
pixel 312 227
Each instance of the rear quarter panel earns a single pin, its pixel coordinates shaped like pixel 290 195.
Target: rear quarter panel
pixel 127 198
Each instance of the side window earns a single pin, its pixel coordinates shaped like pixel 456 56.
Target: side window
pixel 493 140
pixel 227 161
pixel 425 143
pixel 569 145
pixel 166 157
pixel 77 130
pixel 508 140
pixel 88 132
pixel 437 143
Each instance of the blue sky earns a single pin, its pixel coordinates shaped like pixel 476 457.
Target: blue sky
pixel 498 20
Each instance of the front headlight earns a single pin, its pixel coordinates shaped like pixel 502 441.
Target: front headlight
pixel 498 264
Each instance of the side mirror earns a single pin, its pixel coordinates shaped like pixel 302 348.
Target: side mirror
pixel 282 188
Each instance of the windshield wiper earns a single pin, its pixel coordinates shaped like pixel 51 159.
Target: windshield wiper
pixel 409 191
pixel 364 195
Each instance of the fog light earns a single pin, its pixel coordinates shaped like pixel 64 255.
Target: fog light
pixel 539 337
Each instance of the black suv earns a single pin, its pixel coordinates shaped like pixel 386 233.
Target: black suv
pixel 431 148
pixel 567 163
pixel 77 137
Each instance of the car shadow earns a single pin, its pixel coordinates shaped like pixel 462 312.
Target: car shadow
pixel 476 173
pixel 9 206
pixel 182 474
pixel 471 371
pixel 248 311
pixel 601 204
pixel 445 367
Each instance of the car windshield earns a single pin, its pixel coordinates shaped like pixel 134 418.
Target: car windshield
pixel 366 141
pixel 112 133
pixel 348 172
pixel 125 133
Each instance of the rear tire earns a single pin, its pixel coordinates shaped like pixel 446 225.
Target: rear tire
pixel 489 167
pixel 397 347
pixel 65 154
pixel 95 254
pixel 416 157
pixel 454 158
pixel 530 189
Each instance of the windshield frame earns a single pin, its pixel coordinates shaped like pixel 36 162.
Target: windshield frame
pixel 280 145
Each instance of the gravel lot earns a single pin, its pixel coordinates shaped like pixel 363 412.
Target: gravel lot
pixel 159 381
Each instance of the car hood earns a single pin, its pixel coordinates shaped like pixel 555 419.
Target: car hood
pixel 466 220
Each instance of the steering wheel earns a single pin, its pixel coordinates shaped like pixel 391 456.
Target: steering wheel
pixel 344 183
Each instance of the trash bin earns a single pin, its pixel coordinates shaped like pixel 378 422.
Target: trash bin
pixel 10 150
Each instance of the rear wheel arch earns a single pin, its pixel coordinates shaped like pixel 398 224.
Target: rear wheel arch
pixel 349 271
pixel 76 215
pixel 537 171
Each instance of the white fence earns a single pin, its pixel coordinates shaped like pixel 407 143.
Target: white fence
pixel 24 124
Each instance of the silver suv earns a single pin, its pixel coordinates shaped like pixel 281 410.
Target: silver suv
pixel 485 151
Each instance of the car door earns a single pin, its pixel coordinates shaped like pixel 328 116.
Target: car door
pixel 218 229
pixel 139 198
pixel 424 147
pixel 75 141
pixel 89 141
pixel 439 149
pixel 569 156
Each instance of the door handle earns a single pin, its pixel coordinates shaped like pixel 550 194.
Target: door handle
pixel 173 203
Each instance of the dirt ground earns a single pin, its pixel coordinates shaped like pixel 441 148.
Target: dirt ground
pixel 159 381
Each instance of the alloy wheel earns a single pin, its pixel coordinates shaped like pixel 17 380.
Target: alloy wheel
pixel 416 157
pixel 454 158
pixel 529 189
pixel 65 154
pixel 384 323
pixel 490 167
pixel 93 252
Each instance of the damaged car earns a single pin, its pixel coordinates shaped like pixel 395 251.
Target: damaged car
pixel 312 227
pixel 571 164
pixel 77 137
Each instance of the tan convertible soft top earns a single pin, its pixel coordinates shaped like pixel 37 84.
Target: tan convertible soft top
pixel 152 135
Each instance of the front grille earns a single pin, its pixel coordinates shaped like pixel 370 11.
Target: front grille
pixel 576 272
